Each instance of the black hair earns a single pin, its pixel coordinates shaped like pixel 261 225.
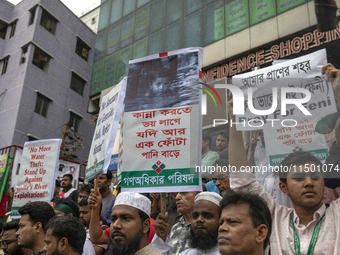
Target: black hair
pixel 143 216
pixel 206 136
pixel 55 200
pixel 68 201
pixel 109 175
pixel 69 176
pixel 70 228
pixel 14 224
pixel 38 212
pixel 86 188
pixel 224 134
pixel 297 158
pixel 222 162
pixel 258 209
pixel 84 201
pixel 57 183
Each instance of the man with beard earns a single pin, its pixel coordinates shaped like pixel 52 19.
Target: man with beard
pixel 68 191
pixel 65 235
pixel 204 225
pixel 130 224
pixel 31 232
pixel 9 241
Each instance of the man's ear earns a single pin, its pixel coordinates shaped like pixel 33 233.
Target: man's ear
pixel 146 226
pixel 283 187
pixel 261 233
pixel 63 244
pixel 38 227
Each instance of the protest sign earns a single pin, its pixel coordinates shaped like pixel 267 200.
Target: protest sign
pixel 291 80
pixel 105 132
pixel 3 163
pixel 66 167
pixel 4 173
pixel 36 175
pixel 285 140
pixel 162 123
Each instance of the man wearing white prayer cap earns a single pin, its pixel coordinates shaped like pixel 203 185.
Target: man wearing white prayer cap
pixel 130 224
pixel 204 225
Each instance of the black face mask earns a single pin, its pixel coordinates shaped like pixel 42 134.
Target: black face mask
pixel 129 248
pixel 204 241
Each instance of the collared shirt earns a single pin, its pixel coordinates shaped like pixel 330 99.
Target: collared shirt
pixel 282 238
pixel 208 159
pixel 212 251
pixel 147 250
pixel 176 242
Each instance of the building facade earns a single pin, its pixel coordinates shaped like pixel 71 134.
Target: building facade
pixel 236 36
pixel 46 56
pixel 90 16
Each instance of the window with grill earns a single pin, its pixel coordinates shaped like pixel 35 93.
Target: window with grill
pixel 41 105
pixel 74 121
pixel 48 22
pixel 82 49
pixel 41 59
pixel 77 84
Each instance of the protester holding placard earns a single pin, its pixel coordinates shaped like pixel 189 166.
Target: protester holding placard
pixel 307 227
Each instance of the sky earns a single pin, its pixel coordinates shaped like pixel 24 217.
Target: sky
pixel 77 6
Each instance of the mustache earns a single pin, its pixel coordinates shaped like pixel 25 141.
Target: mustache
pixel 200 225
pixel 117 232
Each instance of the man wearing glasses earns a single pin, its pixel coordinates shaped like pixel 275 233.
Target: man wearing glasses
pixel 9 241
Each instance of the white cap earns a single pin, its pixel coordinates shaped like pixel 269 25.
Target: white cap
pixel 209 196
pixel 135 200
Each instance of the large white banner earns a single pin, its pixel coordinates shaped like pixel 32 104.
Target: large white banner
pixel 290 79
pixel 105 132
pixel 36 178
pixel 162 123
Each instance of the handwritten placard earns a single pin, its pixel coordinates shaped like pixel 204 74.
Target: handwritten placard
pixel 36 179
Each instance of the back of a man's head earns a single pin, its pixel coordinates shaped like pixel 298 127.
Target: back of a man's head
pixel 37 212
pixel 258 211
pixel 70 228
pixel 298 158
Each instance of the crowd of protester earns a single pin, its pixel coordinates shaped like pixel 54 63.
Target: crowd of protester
pixel 236 213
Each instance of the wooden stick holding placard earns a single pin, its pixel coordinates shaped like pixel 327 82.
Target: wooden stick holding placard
pixel 163 203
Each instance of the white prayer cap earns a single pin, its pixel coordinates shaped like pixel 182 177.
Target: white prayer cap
pixel 209 196
pixel 135 200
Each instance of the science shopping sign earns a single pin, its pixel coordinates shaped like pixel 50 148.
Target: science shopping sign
pixel 282 94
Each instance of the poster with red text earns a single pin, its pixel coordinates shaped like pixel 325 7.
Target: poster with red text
pixel 162 123
pixel 36 178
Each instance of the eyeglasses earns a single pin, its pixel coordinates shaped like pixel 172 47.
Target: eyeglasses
pixel 4 244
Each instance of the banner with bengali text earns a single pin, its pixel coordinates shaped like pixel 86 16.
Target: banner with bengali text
pixel 258 88
pixel 161 131
pixel 282 141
